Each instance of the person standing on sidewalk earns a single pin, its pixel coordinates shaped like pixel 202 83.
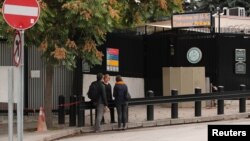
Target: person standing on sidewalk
pixel 120 92
pixel 108 89
pixel 101 102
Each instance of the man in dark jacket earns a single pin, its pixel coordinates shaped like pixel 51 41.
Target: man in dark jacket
pixel 120 94
pixel 101 102
pixel 108 89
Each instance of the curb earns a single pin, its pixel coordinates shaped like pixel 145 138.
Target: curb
pixel 155 123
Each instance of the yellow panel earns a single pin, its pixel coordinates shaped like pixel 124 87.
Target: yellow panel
pixel 112 63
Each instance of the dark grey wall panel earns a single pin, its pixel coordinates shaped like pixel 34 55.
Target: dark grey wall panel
pixel 62 81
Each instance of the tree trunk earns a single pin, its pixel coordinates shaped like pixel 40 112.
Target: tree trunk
pixel 77 78
pixel 48 96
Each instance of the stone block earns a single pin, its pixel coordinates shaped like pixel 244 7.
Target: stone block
pixel 204 119
pixel 243 115
pixel 176 121
pixel 230 117
pixel 149 123
pixel 163 122
pixel 135 125
pixel 191 120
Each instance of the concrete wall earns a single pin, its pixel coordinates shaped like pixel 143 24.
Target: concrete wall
pixel 185 80
pixel 135 85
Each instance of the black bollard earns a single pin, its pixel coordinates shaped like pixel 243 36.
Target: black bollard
pixel 197 103
pixel 72 111
pixel 220 106
pixel 91 117
pixel 150 108
pixel 61 112
pixel 81 111
pixel 242 101
pixel 174 107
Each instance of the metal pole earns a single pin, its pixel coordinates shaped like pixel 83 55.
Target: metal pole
pixel 242 101
pixel 10 103
pixel 72 111
pixel 150 108
pixel 174 107
pixel 220 108
pixel 197 103
pixel 20 97
pixel 218 10
pixel 81 111
pixel 91 117
pixel 61 111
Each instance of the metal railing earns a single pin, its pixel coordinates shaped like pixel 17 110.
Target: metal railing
pixel 79 105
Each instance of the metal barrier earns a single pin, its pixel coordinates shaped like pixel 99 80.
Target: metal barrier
pixel 174 99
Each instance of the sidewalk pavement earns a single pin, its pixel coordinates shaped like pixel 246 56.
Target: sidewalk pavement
pixel 137 119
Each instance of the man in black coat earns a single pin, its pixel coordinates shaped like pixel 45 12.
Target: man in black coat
pixel 101 102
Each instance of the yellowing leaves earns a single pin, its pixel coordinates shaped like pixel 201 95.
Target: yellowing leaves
pixel 138 18
pixel 99 31
pixel 73 5
pixel 99 55
pixel 43 46
pixel 163 4
pixel 71 44
pixel 59 53
pixel 90 47
pixel 111 2
pixel 42 4
pixel 113 13
pixel 87 14
pixel 178 2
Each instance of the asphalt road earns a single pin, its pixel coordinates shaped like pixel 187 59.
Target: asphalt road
pixel 185 132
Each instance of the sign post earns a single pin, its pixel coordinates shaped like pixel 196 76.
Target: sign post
pixel 17 49
pixel 10 103
pixel 21 15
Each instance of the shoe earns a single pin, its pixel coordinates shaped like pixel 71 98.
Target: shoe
pixel 124 128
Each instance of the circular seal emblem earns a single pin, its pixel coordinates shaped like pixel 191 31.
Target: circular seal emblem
pixel 194 55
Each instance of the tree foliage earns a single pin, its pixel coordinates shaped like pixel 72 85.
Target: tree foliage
pixel 71 29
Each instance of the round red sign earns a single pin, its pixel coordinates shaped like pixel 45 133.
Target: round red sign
pixel 21 14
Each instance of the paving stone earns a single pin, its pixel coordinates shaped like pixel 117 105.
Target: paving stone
pixel 204 119
pixel 218 117
pixel 107 127
pixel 134 125
pixel 243 115
pixel 87 129
pixel 191 120
pixel 149 123
pixel 163 122
pixel 176 121
pixel 230 117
